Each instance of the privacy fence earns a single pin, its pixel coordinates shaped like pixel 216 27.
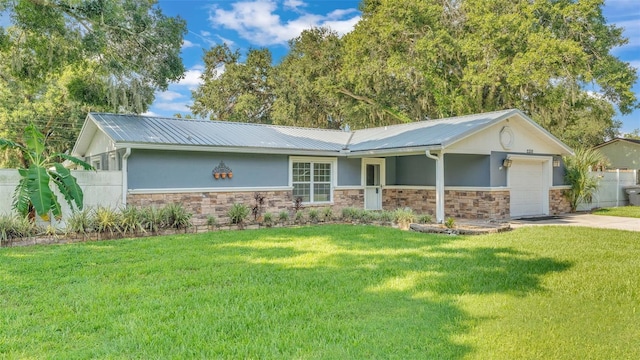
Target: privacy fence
pixel 611 189
pixel 101 188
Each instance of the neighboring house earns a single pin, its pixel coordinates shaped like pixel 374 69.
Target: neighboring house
pixel 495 165
pixel 623 154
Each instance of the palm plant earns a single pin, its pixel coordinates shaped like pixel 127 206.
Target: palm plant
pixel 578 176
pixel 33 193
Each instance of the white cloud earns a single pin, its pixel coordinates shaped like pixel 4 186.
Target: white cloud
pixel 205 33
pixel 230 43
pixel 294 4
pixel 187 44
pixel 169 95
pixel 258 22
pixel 181 107
pixel 150 113
pixel 192 77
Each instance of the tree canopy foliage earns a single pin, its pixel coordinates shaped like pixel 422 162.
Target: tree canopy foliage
pixel 411 60
pixel 62 58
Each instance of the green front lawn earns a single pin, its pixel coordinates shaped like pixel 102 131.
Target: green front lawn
pixel 622 211
pixel 328 292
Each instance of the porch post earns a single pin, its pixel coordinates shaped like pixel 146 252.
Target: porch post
pixel 439 158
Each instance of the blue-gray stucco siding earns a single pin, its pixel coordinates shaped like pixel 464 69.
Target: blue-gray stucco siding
pixel 349 172
pixel 149 169
pixel 419 170
pixel 154 169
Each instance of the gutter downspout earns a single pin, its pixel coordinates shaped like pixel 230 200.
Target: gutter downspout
pixel 125 176
pixel 439 158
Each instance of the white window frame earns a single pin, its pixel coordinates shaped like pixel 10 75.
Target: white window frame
pixel 316 160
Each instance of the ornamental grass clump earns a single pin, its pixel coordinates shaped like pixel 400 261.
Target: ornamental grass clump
pixel 314 215
pixel 238 213
pixel 15 226
pixel 327 214
pixel 175 216
pixel 267 219
pixel 131 220
pixel 151 218
pixel 283 217
pixel 81 222
pixel 107 220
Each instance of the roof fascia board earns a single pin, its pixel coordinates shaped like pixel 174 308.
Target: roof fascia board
pixel 628 141
pixel 245 150
pixel 88 122
pixel 476 130
pixel 388 152
pixel 504 117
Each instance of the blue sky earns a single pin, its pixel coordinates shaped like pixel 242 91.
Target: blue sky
pixel 244 24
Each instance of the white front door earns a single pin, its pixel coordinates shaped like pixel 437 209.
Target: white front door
pixel 373 179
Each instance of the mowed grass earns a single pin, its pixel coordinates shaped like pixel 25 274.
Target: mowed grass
pixel 622 211
pixel 329 292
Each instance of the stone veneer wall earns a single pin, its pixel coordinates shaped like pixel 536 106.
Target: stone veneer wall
pixel 422 201
pixel 203 204
pixel 479 204
pixel 558 203
pixel 347 198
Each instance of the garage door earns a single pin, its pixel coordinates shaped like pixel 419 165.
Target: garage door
pixel 528 190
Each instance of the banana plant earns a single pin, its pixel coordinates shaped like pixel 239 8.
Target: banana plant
pixel 33 192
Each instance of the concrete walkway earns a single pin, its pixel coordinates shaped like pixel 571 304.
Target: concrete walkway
pixel 587 220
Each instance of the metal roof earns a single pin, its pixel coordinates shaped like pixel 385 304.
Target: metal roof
pixel 169 131
pixel 148 131
pixel 423 133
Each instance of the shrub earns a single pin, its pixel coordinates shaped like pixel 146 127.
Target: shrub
pixel 450 223
pixel 314 215
pixel 131 220
pixel 238 213
pixel 387 216
pixel 81 222
pixel 299 217
pixel 176 216
pixel 283 216
pixel 13 226
pixel 267 219
pixel 404 215
pixel 107 220
pixel 327 213
pixel 365 216
pixel 212 221
pixel 424 219
pixel 349 214
pixel 257 208
pixel 151 218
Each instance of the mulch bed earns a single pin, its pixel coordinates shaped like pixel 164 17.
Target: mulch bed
pixel 463 228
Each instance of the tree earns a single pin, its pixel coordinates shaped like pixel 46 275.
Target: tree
pixel 413 60
pixel 305 82
pixel 33 192
pixel 62 58
pixel 578 175
pixel 235 91
pixel 433 59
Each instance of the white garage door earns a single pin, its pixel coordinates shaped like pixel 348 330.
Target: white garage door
pixel 528 188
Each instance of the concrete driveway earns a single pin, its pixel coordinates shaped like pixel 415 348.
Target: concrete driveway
pixel 587 220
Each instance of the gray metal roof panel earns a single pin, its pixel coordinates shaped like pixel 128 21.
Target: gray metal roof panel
pixel 169 131
pixel 422 133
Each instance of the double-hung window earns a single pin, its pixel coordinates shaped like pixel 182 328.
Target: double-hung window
pixel 312 179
